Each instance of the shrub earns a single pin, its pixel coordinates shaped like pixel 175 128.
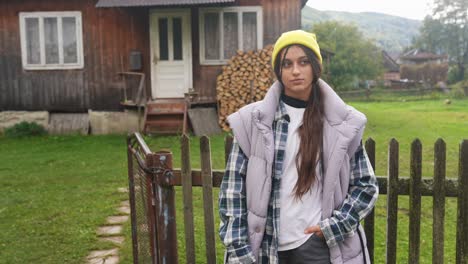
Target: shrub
pixel 453 75
pixel 427 72
pixel 460 89
pixel 25 129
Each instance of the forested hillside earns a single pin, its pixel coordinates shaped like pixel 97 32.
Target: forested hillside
pixel 391 33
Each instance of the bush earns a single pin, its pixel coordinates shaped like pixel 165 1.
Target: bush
pixel 460 89
pixel 427 72
pixel 25 129
pixel 453 75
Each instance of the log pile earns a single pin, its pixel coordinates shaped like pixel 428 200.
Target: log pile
pixel 245 79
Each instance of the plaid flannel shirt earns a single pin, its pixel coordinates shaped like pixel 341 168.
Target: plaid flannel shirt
pixel 234 233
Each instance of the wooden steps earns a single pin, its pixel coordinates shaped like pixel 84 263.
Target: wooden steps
pixel 166 116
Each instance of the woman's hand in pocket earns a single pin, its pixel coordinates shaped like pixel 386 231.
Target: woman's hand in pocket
pixel 314 229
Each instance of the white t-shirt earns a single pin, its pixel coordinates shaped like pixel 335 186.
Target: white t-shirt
pixel 296 215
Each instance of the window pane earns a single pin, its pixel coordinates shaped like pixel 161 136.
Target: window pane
pixel 231 44
pixel 163 45
pixel 70 49
pixel 51 40
pixel 249 30
pixel 177 38
pixel 212 36
pixel 32 41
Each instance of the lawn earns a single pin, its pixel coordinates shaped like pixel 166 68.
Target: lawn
pixel 57 190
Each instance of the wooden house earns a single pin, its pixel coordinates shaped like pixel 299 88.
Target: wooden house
pixel 419 56
pixel 423 66
pixel 69 55
pixel 391 69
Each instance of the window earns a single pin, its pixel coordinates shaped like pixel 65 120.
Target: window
pixel 223 31
pixel 51 40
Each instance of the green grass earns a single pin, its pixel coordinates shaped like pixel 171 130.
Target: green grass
pixel 384 94
pixel 406 121
pixel 57 190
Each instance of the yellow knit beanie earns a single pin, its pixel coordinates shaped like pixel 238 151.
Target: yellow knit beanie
pixel 296 37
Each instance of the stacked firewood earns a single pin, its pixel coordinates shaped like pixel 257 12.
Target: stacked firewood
pixel 245 79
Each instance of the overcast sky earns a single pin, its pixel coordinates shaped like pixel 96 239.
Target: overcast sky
pixel 415 9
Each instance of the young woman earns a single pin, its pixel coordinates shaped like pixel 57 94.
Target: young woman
pixel 298 179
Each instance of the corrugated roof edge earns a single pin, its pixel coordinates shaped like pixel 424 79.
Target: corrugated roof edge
pixel 130 3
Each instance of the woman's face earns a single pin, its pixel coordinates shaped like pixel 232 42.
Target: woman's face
pixel 296 73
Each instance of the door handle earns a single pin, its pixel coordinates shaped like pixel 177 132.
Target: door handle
pixel 155 59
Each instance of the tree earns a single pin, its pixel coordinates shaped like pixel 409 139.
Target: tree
pixel 356 58
pixel 431 36
pixel 447 32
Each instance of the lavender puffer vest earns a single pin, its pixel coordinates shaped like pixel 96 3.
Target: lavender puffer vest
pixel 343 130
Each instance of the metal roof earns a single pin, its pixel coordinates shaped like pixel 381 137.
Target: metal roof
pixel 121 3
pixel 418 54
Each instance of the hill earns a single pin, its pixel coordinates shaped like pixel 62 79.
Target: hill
pixel 391 33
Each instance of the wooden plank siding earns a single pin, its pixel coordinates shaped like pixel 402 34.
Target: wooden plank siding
pixel 109 34
pixel 278 16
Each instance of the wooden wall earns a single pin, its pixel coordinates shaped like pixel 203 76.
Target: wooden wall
pixel 109 34
pixel 278 16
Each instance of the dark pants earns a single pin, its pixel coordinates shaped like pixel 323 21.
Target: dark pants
pixel 313 251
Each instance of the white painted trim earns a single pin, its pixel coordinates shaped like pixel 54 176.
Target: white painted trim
pixel 154 48
pixel 170 39
pixel 59 15
pixel 60 40
pixel 79 39
pixel 24 59
pixel 239 10
pixel 221 35
pixel 240 30
pixel 42 41
pixel 260 29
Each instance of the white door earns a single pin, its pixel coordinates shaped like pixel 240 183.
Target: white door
pixel 171 53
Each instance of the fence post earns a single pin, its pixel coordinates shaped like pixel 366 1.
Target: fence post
pixel 415 202
pixel 186 174
pixel 164 204
pixel 462 211
pixel 131 193
pixel 147 186
pixel 369 221
pixel 207 182
pixel 438 207
pixel 227 147
pixel 392 201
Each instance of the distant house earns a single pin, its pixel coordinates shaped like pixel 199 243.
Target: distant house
pixel 423 66
pixel 419 56
pixel 392 69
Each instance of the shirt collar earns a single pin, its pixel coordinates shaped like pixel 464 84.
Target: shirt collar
pixel 281 112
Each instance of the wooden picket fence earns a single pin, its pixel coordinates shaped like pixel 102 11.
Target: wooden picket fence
pixel 152 199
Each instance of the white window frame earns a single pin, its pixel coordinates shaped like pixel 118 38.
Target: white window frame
pixel 239 10
pixel 56 66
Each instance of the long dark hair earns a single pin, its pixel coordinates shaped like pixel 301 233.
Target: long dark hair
pixel 311 130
